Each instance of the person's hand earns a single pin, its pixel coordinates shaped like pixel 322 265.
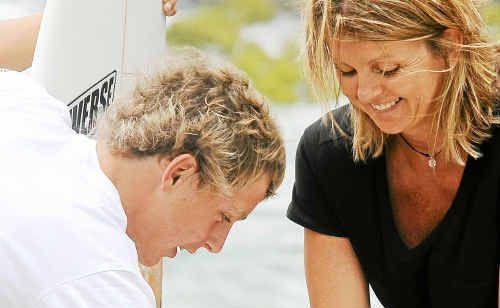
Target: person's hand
pixel 169 8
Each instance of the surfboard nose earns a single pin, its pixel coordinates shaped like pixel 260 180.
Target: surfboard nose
pixel 83 44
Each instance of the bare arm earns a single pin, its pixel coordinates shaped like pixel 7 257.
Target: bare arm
pixel 154 275
pixel 17 41
pixel 333 273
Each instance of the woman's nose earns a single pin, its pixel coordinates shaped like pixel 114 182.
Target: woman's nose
pixel 369 89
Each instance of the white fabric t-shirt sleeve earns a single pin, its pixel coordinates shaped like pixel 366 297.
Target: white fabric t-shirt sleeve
pixel 31 121
pixel 110 289
pixel 28 110
pixel 23 98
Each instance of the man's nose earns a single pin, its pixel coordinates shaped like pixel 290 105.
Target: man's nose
pixel 218 237
pixel 369 89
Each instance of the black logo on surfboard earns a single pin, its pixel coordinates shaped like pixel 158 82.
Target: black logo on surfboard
pixel 85 108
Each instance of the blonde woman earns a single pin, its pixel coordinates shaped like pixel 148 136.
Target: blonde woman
pixel 400 188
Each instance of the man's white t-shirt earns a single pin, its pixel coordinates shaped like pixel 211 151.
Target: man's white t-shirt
pixel 62 226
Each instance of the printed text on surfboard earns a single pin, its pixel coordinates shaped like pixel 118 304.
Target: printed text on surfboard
pixel 85 108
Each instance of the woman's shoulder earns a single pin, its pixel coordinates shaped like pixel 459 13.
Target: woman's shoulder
pixel 323 132
pixel 327 147
pixel 491 146
pixel 493 142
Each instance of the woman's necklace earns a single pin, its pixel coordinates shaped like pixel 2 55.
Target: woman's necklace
pixel 432 160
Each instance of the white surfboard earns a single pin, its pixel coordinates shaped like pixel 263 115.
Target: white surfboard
pixel 89 52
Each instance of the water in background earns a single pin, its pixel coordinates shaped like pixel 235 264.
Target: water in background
pixel 261 264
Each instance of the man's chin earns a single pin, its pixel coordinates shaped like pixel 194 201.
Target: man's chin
pixel 171 252
pixel 191 249
pixel 149 261
pixel 152 260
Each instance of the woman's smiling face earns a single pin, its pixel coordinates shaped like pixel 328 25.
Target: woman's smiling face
pixel 395 83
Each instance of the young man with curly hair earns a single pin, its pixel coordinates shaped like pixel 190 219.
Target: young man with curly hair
pixel 174 165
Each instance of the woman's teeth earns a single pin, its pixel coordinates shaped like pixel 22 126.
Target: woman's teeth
pixel 381 107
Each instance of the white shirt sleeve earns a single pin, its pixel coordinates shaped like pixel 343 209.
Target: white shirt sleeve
pixel 110 289
pixel 19 94
pixel 30 119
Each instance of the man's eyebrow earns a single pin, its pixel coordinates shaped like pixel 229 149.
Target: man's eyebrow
pixel 242 214
pixel 235 212
pixel 270 192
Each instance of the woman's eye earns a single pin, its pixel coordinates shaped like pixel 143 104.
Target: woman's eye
pixel 390 72
pixel 348 74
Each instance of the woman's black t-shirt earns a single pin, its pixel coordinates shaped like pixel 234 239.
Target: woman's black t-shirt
pixel 455 266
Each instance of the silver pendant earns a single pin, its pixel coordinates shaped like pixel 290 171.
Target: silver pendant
pixel 432 162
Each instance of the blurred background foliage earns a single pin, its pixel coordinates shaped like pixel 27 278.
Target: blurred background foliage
pixel 491 14
pixel 217 25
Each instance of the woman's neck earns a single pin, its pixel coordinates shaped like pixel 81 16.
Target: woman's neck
pixel 423 140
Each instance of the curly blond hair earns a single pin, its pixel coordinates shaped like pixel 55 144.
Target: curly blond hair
pixel 198 107
pixel 466 102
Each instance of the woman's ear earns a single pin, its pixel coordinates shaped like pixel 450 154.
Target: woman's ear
pixel 177 169
pixel 455 40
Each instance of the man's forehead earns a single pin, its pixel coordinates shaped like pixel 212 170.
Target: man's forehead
pixel 238 213
pixel 245 199
pixel 241 209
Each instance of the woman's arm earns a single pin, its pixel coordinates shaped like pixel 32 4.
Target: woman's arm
pixel 17 41
pixel 333 273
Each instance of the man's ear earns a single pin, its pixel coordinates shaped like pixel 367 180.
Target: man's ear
pixel 455 38
pixel 177 169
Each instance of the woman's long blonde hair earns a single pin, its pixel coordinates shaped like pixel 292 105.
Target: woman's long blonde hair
pixel 467 100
